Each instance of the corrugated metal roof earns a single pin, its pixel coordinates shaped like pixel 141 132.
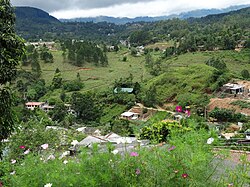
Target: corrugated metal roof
pixel 126 90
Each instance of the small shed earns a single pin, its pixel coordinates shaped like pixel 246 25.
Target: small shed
pixel 233 88
pixel 123 90
pixel 129 115
pixel 89 140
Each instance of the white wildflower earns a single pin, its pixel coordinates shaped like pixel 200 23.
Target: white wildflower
pixel 51 157
pixel 66 153
pixel 115 151
pixel 13 161
pixel 74 142
pixel 210 140
pixel 26 152
pixel 48 185
pixel 45 146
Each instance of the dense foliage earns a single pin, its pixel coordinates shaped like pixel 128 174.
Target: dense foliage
pixel 11 48
pixel 182 162
pixel 227 115
pixel 81 52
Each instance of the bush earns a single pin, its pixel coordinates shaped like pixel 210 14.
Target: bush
pixel 226 115
pixel 184 162
pixel 31 135
pixel 245 74
pixel 160 131
pixel 74 85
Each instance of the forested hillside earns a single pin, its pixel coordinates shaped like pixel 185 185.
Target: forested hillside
pixel 196 32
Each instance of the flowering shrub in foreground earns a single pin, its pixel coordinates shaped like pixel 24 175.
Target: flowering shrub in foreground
pixel 185 161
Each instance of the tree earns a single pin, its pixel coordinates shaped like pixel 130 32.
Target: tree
pixel 217 63
pixel 57 80
pixel 59 112
pixel 11 49
pixel 245 74
pixel 85 107
pixel 150 96
pixel 46 55
pixel 36 68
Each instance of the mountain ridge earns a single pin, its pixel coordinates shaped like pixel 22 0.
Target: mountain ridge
pixel 184 15
pixel 34 14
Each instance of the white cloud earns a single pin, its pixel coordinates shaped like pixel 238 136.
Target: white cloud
pixel 118 8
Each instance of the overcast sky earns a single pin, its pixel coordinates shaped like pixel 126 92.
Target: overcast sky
pixel 123 8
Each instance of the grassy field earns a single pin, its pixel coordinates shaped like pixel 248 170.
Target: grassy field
pixel 186 73
pixel 236 61
pixel 97 77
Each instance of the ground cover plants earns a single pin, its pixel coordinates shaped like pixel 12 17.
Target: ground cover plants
pixel 186 160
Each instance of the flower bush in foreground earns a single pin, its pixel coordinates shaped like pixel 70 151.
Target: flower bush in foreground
pixel 187 163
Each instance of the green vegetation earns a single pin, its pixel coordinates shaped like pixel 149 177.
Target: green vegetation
pixel 10 52
pixel 227 115
pixel 183 162
pixel 85 79
pixel 242 104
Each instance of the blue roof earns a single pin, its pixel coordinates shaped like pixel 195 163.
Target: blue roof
pixel 126 90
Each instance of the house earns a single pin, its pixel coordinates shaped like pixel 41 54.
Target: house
pixel 113 138
pixel 47 108
pixel 123 90
pixel 42 105
pixel 233 88
pixel 89 140
pixel 130 115
pixel 49 45
pixel 33 105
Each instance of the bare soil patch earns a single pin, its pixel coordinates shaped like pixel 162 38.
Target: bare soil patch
pixel 226 104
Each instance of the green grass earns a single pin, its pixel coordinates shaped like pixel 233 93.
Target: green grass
pixel 112 112
pixel 186 73
pixel 97 77
pixel 241 104
pixel 236 61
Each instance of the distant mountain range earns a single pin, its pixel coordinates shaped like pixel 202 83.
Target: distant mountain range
pixel 34 24
pixel 194 14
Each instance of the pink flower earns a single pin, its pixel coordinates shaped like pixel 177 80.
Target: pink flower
pixel 13 161
pixel 134 154
pixel 178 109
pixel 187 112
pixel 1 184
pixel 184 175
pixel 22 147
pixel 45 146
pixel 26 152
pixel 171 148
pixel 51 157
pixel 137 171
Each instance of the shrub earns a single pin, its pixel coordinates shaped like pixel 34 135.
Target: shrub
pixel 31 135
pixel 245 74
pixel 226 115
pixel 160 131
pixel 184 162
pixel 74 85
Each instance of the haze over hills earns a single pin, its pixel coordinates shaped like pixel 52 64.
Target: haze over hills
pixel 34 24
pixel 195 14
pixel 39 16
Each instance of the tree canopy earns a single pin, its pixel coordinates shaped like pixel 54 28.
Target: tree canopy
pixel 11 49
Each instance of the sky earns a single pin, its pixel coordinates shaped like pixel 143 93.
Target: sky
pixel 123 8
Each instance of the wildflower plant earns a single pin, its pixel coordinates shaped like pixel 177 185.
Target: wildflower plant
pixel 183 161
